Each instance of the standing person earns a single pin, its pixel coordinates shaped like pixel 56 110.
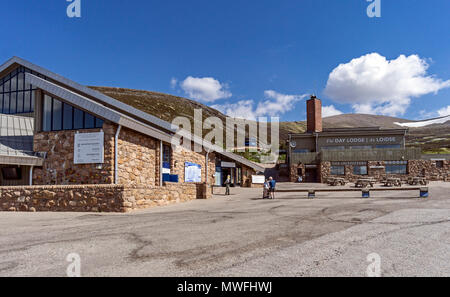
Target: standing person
pixel 272 184
pixel 227 185
pixel 266 189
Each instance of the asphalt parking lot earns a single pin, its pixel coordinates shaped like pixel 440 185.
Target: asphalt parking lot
pixel 240 235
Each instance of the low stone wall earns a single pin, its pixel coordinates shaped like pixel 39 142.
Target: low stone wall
pixel 97 198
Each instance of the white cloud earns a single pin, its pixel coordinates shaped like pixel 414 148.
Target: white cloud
pixel 274 105
pixel 173 83
pixel 445 111
pixel 329 111
pixel 375 85
pixel 241 109
pixel 205 89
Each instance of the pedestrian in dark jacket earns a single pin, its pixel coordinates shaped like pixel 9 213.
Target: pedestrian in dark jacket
pixel 227 185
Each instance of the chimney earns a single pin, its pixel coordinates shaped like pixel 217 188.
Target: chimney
pixel 314 114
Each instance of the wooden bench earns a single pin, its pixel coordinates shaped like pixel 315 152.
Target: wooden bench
pixel 336 181
pixel 417 181
pixel 393 181
pixel 364 183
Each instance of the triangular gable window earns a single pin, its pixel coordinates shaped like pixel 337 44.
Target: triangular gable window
pixel 58 115
pixel 17 96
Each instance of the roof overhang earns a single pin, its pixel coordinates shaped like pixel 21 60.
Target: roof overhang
pixel 21 160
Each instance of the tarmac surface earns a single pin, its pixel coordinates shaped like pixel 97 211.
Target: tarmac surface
pixel 240 235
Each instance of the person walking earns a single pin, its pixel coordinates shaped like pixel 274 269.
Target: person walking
pixel 227 185
pixel 272 185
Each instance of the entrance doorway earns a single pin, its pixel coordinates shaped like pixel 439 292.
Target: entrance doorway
pixel 311 175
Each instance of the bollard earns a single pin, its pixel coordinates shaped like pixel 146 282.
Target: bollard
pixel 365 193
pixel 424 192
pixel 311 194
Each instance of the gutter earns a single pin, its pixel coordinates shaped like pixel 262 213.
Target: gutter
pixel 116 152
pixel 160 163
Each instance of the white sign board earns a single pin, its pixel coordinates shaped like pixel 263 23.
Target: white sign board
pixel 88 148
pixel 258 179
pixel 228 165
pixel 192 173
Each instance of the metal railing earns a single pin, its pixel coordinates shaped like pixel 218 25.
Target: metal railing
pixel 372 155
pixel 357 155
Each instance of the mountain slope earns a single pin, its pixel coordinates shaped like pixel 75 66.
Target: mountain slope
pixel 432 138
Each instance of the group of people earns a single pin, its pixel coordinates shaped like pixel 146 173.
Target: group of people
pixel 268 190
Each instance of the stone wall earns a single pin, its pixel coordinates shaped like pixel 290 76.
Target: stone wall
pixel 429 169
pixel 293 174
pixel 97 198
pixel 182 155
pixel 415 168
pixel 82 198
pixel 138 159
pixel 58 167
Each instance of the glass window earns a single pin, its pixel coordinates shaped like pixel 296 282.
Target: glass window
pixel 396 167
pixel 27 101
pixel 12 102
pixel 388 146
pixel 88 121
pixel 301 151
pixel 14 83
pixel 57 115
pixel 15 93
pixel 98 123
pixel 360 147
pixel 166 155
pixel 20 102
pixel 6 103
pixel 67 117
pixel 47 114
pixel 20 81
pixel 337 170
pixel 6 86
pixel 360 170
pixel 78 118
pixel 333 148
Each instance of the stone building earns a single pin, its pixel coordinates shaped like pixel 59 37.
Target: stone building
pixel 64 146
pixel 353 153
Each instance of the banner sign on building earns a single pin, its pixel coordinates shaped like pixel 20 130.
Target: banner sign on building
pixel 228 164
pixel 192 173
pixel 88 148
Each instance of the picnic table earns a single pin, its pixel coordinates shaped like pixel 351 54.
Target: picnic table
pixel 336 181
pixel 365 182
pixel 393 181
pixel 417 180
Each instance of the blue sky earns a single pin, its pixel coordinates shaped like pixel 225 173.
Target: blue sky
pixel 248 57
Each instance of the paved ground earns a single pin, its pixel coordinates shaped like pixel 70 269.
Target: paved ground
pixel 240 235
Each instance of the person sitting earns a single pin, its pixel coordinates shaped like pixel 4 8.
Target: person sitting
pixel 266 189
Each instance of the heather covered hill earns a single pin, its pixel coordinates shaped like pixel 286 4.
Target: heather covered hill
pixel 433 138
